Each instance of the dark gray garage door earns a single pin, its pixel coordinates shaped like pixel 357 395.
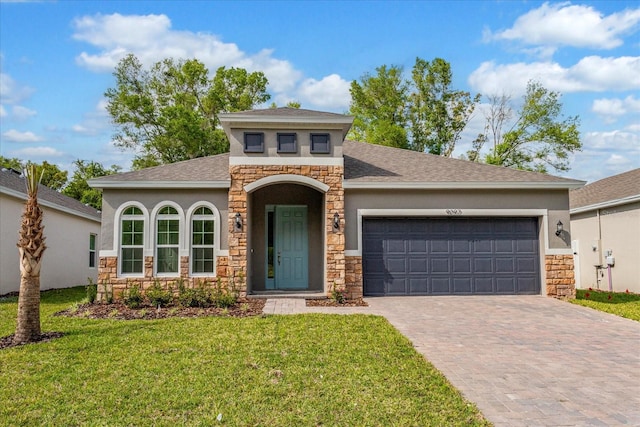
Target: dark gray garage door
pixel 450 256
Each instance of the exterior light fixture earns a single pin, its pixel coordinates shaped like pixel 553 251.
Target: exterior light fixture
pixel 336 222
pixel 559 228
pixel 237 224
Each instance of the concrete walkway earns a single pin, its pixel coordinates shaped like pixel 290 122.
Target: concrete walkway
pixel 525 361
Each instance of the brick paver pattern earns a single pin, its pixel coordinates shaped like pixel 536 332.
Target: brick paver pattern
pixel 525 361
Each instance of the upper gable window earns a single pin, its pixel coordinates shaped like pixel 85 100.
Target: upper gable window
pixel 254 142
pixel 320 143
pixel 287 143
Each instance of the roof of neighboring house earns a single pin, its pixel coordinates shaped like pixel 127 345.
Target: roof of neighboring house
pixel 13 183
pixel 366 166
pixel 614 190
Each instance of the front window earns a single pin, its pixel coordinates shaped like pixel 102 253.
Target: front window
pixel 132 241
pixel 92 250
pixel 167 241
pixel 320 143
pixel 202 241
pixel 253 142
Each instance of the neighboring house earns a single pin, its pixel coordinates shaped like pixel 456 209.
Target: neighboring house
pixel 295 208
pixel 605 219
pixel 71 230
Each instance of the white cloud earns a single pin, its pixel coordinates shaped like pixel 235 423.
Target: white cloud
pixel 617 160
pixel 11 92
pixel 95 121
pixel 22 113
pixel 37 152
pixel 17 136
pixel 592 73
pixel 611 108
pixel 151 39
pixel 3 112
pixel 330 92
pixel 570 25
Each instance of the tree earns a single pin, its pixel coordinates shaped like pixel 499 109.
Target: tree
pixel 170 112
pixel 379 107
pixel 423 113
pixel 540 136
pixel 79 189
pixel 438 113
pixel 52 176
pixel 31 247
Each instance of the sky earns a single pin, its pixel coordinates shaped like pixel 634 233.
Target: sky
pixel 57 59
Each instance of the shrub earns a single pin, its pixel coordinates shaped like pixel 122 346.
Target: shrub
pixel 132 296
pixel 92 291
pixel 158 296
pixel 338 295
pixel 108 294
pixel 198 296
pixel 223 298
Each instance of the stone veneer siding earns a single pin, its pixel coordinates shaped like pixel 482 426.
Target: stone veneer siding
pixel 108 275
pixel 332 176
pixel 560 279
pixel 354 277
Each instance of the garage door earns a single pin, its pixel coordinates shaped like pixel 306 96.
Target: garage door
pixel 450 256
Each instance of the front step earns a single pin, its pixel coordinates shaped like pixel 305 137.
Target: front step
pixel 293 295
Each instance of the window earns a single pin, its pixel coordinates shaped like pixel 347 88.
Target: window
pixel 253 142
pixel 132 241
pixel 287 143
pixel 92 250
pixel 320 143
pixel 167 241
pixel 202 241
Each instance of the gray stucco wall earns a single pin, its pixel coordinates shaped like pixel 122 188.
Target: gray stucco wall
pixel 113 199
pixel 555 201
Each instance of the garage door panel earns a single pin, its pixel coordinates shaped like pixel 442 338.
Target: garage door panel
pixel 483 265
pixel 462 285
pixel 440 265
pixel 483 285
pixel 443 256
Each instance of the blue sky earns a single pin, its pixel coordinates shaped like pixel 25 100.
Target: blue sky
pixel 57 59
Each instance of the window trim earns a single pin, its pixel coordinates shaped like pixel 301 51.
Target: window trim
pixel 139 217
pixel 316 151
pixel 216 236
pixel 154 238
pixel 295 142
pixel 255 150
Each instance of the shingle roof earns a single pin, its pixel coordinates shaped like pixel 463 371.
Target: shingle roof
pixel 365 162
pixel 624 185
pixel 202 169
pixel 15 183
pixel 286 111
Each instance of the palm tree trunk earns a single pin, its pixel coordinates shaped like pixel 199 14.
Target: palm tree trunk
pixel 31 246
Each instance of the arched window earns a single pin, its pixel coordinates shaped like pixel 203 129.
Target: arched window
pixel 132 241
pixel 203 241
pixel 167 241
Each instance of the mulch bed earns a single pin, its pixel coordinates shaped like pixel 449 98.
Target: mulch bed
pixel 7 342
pixel 357 302
pixel 118 310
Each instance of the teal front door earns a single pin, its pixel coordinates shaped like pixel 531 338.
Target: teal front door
pixel 291 248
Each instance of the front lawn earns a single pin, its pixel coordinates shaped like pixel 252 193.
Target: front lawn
pixel 619 303
pixel 303 370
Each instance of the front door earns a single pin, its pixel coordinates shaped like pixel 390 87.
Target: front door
pixel 290 248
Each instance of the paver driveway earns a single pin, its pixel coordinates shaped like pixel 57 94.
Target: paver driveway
pixel 524 360
pixel 532 360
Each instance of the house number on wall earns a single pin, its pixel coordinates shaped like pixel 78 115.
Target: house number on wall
pixel 453 211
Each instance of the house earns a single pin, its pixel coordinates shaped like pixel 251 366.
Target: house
pixel 294 207
pixel 605 219
pixel 71 230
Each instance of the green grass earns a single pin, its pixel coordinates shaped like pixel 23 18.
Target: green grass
pixel 619 303
pixel 302 370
